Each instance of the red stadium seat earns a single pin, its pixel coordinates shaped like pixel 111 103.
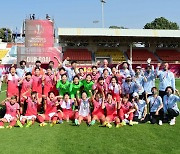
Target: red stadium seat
pixel 78 54
pixel 168 55
pixel 141 55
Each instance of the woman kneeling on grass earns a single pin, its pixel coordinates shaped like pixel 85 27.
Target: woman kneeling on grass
pixel 50 108
pixel 12 112
pixel 98 112
pixel 66 105
pixel 31 112
pixel 126 111
pixel 111 112
pixel 84 109
pixel 140 114
pixel 155 107
pixel 170 105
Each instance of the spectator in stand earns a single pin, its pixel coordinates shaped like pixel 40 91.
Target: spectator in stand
pixel 104 66
pixel 166 78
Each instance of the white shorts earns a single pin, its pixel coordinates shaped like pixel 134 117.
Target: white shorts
pixel 51 114
pixel 8 117
pixel 27 117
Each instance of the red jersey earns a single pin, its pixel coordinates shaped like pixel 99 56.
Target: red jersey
pixel 111 108
pixel 31 107
pixel 12 85
pixel 41 71
pixel 97 107
pixel 115 91
pixel 101 88
pixel 107 79
pixel 49 84
pixel 95 77
pixel 26 86
pixel 37 84
pixel 51 106
pixel 126 106
pixel 119 77
pixel 12 109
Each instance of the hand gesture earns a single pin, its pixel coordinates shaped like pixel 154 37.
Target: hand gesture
pixel 159 64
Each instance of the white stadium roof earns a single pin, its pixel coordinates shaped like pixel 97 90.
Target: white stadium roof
pixel 119 32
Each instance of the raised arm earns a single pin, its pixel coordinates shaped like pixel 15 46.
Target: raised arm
pixel 4 101
pixel 146 98
pixel 77 97
pixel 157 69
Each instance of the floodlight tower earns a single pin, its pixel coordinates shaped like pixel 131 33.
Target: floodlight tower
pixel 103 2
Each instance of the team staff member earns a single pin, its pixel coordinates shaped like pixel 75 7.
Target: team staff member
pixel 166 78
pixel 170 104
pixel 155 107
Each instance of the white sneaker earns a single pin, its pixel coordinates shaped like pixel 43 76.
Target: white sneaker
pixel 172 122
pixel 160 122
pixel 126 121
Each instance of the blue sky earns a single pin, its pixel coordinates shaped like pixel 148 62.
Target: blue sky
pixel 82 13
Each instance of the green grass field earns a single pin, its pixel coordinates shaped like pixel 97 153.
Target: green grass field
pixel 66 138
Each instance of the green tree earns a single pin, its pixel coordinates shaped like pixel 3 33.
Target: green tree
pixel 5 34
pixel 162 23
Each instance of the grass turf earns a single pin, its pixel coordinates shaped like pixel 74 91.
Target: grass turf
pixel 66 138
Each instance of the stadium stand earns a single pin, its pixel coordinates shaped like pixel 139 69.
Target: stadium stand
pixel 168 55
pixel 114 54
pixel 3 53
pixel 78 54
pixel 141 55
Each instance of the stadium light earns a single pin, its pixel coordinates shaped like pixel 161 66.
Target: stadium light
pixel 103 2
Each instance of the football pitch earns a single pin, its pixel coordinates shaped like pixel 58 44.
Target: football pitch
pixel 67 138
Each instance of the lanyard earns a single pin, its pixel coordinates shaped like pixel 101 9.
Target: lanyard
pixel 129 87
pixel 165 76
pixel 153 102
